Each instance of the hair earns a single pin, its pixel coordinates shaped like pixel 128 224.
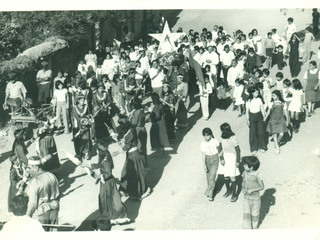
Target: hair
pixel 259 85
pixel 290 19
pixel 207 132
pixel 136 102
pixel 280 46
pixel 204 29
pixel 259 71
pixel 266 71
pixel 279 95
pixel 287 82
pixel 155 98
pixel 279 75
pixel 104 76
pixel 314 63
pixel 19 205
pixel 206 76
pixel 296 84
pixel 226 131
pixel 240 81
pixel 58 82
pixel 101 85
pixel 102 224
pixel 251 90
pixel 273 30
pixel 252 162
pixel 207 66
pixel 123 120
pixel 269 34
pixel 226 47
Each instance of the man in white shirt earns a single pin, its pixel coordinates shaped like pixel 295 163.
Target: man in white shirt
pixel 43 81
pixel 211 58
pixel 233 74
pixel 157 78
pixel 226 58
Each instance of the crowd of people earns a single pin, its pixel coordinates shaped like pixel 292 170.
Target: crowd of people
pixel 116 84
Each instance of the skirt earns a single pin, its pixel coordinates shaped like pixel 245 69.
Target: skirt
pixel 230 169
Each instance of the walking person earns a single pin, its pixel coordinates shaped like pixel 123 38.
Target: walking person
pixel 61 105
pixel 308 39
pixel 279 119
pixel 293 50
pixel 315 21
pixel 296 104
pixel 312 83
pixel 251 185
pixel 210 156
pixel 255 114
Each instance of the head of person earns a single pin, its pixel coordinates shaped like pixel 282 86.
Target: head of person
pixel 259 85
pixel 210 48
pixel 254 92
pixel 180 78
pixel 136 103
pixel 239 82
pixel 254 32
pixel 280 48
pixel 314 10
pixel 19 205
pixel 191 32
pixel 12 77
pixel 251 52
pixel 34 165
pixel 265 72
pixel 276 95
pixel 101 224
pixel 155 98
pixel 206 78
pixel 269 35
pixel 250 35
pixel 155 64
pixel 94 84
pixel 234 63
pixel 207 134
pixel 279 76
pixel 226 48
pixel 207 68
pixel 44 64
pixel 290 20
pixel 124 122
pixel 80 100
pixel 59 85
pixel 286 83
pixel 273 30
pixel 201 50
pixel 20 134
pixel 166 88
pixel 226 131
pixel 296 84
pixel 258 73
pixel 243 37
pixel 312 65
pixel 251 163
pixel 101 87
pixel 59 74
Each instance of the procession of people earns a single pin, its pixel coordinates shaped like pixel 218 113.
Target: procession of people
pixel 111 98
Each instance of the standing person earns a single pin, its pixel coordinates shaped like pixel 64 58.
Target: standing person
pixel 110 204
pixel 293 50
pixel 296 107
pixel 226 58
pixel 158 132
pixel 239 93
pixel 269 45
pixel 307 44
pixel 312 83
pixel 21 224
pixel 257 41
pixel 43 194
pixel 46 148
pixel 210 156
pixel 315 21
pixel 231 160
pixel 251 185
pixel 61 105
pixel 81 129
pixel 91 60
pixel 255 114
pixel 290 29
pixel 279 119
pixel 138 120
pixel 182 103
pixel 268 85
pixel 233 74
pixel 204 92
pixel 133 178
pixel 157 77
pixel 43 81
pixel 15 93
pixel 168 101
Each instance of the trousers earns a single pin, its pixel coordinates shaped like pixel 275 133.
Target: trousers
pixel 212 164
pixel 251 212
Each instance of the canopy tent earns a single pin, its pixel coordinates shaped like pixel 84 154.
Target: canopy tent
pixel 26 60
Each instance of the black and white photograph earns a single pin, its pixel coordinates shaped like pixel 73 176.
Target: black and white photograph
pixel 160 119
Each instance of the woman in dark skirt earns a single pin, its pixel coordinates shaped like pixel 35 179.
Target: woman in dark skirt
pixel 168 100
pixel 133 178
pixel 182 103
pixel 293 49
pixel 158 131
pixel 110 204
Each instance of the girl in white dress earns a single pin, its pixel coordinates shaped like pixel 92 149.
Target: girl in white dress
pixel 296 107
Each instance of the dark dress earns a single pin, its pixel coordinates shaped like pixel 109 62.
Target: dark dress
pixel 294 58
pixel 133 180
pixel 312 81
pixel 169 115
pixel 277 123
pixel 47 145
pixel 158 131
pixel 110 204
pixel 16 174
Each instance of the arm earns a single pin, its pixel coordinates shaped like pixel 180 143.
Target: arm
pixel 267 114
pixel 33 199
pixel 238 153
pixel 221 154
pixel 286 114
pixel 247 113
pixel 262 110
pixel 260 188
pixel 204 162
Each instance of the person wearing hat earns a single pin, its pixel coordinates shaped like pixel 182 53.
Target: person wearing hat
pixel 43 193
pixel 43 80
pixel 15 93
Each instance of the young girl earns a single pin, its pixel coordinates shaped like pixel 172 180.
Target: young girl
pixel 238 95
pixel 286 91
pixel 257 41
pixel 279 83
pixel 204 96
pixel 279 57
pixel 255 114
pixel 296 106
pixel 279 119
pixel 168 101
pixel 210 156
pixel 231 160
pixel 61 104
pixel 268 84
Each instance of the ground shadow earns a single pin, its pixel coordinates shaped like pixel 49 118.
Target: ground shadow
pixel 267 200
pixel 86 225
pixel 133 207
pixel 4 156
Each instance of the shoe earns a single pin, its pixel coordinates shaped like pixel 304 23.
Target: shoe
pixel 262 150
pixel 254 153
pixel 239 115
pixel 233 199
pixel 296 130
pixel 277 151
pixel 227 194
pixel 146 194
pixel 210 199
pixel 309 114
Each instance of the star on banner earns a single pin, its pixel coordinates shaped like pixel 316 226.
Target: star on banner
pixel 166 39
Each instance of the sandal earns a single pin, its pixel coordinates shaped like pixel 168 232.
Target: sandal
pixel 277 151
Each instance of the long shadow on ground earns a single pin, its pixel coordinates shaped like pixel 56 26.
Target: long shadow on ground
pixel 267 200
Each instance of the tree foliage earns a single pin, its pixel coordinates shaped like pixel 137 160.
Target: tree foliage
pixel 22 30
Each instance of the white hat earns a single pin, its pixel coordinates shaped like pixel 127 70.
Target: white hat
pixel 34 160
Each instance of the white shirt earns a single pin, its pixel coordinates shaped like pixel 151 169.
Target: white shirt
pixel 15 90
pixel 212 57
pixel 233 74
pixel 226 58
pixel 22 225
pixel 60 95
pixel 254 105
pixel 44 74
pixel 157 81
pixel 210 147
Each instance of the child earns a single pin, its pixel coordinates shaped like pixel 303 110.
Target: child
pixel 238 95
pixel 279 83
pixel 286 91
pixel 251 185
pixel 82 68
pixel 101 224
pixel 279 119
pixel 230 160
pixel 210 156
pixel 268 85
pixel 269 45
pixel 279 57
pixel 204 96
pixel 61 104
pixel 296 106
